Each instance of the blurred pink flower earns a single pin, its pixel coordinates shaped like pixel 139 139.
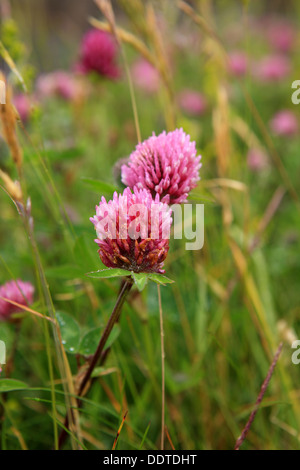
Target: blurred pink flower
pixel 166 164
pixel 145 76
pixel 23 106
pixel 281 35
pixel 133 231
pixel 57 83
pixel 18 291
pixel 272 68
pixel 285 123
pixel 98 53
pixel 192 102
pixel 238 63
pixel 257 159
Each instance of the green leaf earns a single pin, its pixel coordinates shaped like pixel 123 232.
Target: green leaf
pixel 70 332
pixel 99 186
pixel 64 272
pixel 140 280
pixel 109 272
pixel 160 279
pixel 91 340
pixel 9 385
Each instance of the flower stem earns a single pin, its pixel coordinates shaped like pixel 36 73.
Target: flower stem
pixel 113 319
pixel 162 345
pixel 111 322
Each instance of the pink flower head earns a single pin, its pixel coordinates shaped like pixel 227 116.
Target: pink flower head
pixel 166 164
pixel 238 64
pixel 285 123
pixel 145 76
pixel 18 291
pixel 22 104
pixel 57 83
pixel 272 68
pixel 281 35
pixel 133 231
pixel 257 159
pixel 192 102
pixel 98 54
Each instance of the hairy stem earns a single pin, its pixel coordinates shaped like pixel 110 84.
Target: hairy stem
pixel 113 319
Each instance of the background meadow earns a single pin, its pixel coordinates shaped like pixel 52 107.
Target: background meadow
pixel 223 71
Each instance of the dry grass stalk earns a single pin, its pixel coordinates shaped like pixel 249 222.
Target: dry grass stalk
pixel 222 132
pixel 150 31
pixel 107 10
pixel 8 118
pixel 162 65
pixel 4 53
pixel 12 187
pixel 244 132
pixel 161 59
pixel 263 389
pixel 200 21
pixel 135 10
pixel 127 38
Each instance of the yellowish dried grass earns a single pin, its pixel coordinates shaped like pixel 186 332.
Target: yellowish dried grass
pixel 8 117
pixel 12 187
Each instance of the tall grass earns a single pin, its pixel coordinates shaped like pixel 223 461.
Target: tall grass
pixel 223 316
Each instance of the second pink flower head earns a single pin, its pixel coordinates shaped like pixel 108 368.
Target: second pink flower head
pixel 167 165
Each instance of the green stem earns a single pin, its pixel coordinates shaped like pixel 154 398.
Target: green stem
pixel 110 324
pixel 113 319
